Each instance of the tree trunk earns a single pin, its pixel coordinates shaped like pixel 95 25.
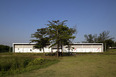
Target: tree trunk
pixel 57 43
pixel 57 49
pixel 43 51
pixel 62 49
pixel 68 48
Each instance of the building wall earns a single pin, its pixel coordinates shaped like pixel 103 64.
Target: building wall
pixel 84 48
pixel 29 48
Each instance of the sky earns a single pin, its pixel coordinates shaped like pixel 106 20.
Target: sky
pixel 21 18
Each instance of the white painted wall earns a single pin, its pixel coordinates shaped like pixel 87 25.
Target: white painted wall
pixel 28 48
pixel 84 47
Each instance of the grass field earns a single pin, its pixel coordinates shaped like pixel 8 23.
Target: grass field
pixel 81 65
pixel 12 64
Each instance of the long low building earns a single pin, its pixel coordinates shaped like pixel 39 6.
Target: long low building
pixel 76 47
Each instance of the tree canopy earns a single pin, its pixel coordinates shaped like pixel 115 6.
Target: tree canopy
pixel 57 33
pixel 4 48
pixel 42 39
pixel 102 38
pixel 90 38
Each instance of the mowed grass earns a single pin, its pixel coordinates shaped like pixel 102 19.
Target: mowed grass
pixel 81 65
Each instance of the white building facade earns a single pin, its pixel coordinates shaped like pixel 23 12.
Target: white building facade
pixel 77 47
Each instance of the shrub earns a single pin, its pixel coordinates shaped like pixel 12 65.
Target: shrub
pixel 13 63
pixel 37 61
pixel 16 64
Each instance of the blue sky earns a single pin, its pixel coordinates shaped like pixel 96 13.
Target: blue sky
pixel 20 18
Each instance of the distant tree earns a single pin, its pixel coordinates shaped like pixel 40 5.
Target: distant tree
pixel 42 39
pixel 60 34
pixel 4 48
pixel 104 36
pixel 114 44
pixel 109 43
pixel 105 39
pixel 90 38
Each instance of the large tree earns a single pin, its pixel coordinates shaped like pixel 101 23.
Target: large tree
pixel 57 33
pixel 60 34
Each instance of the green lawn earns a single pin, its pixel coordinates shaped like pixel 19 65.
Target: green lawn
pixel 81 65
